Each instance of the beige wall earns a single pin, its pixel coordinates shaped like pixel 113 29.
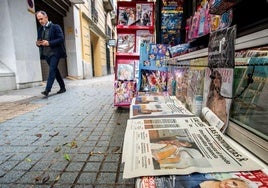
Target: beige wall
pixel 95 33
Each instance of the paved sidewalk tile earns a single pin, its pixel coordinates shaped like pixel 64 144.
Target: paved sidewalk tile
pixel 72 139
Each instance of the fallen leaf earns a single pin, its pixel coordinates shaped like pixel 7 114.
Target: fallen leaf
pixel 55 134
pixel 45 179
pixel 116 149
pixel 57 149
pixel 67 157
pixel 38 135
pixel 57 178
pixel 64 144
pixel 37 178
pixel 73 144
pixel 28 160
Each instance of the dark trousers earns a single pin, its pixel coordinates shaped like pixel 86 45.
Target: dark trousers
pixel 54 72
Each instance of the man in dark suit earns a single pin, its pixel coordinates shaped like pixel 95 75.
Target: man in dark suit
pixel 50 41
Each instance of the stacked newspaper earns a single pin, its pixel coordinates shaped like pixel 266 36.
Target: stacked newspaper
pixel 157 106
pixel 179 146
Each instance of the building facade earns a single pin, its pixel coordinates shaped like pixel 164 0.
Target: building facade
pixel 86 29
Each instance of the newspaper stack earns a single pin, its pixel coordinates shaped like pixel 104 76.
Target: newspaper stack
pixel 179 146
pixel 157 106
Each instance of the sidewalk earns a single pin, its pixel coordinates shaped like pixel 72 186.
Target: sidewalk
pixel 72 139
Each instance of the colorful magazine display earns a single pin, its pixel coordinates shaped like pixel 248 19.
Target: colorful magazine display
pixel 135 26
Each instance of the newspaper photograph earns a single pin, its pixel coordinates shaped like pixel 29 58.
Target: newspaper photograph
pixel 141 124
pixel 154 150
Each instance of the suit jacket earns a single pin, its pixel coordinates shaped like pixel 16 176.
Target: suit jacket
pixel 56 40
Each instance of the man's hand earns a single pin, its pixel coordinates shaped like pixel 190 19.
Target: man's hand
pixel 42 43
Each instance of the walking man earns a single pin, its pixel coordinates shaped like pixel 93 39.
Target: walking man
pixel 50 41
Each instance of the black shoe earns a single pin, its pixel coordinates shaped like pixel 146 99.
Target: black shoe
pixel 45 93
pixel 62 90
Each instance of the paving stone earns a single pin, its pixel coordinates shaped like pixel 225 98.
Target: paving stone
pixel 92 167
pixel 87 178
pixel 75 166
pixel 106 178
pixel 67 178
pixel 11 177
pixel 109 167
pixel 84 115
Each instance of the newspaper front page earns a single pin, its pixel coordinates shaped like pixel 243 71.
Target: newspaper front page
pixel 157 106
pixel 179 146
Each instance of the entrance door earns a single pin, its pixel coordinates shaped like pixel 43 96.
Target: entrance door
pixel 92 59
pixel 108 60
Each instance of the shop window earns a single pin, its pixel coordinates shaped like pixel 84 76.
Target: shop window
pixel 249 112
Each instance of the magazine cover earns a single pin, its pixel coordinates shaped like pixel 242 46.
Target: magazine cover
pixel 171 81
pixel 144 54
pixel 153 80
pixel 125 43
pixel 221 48
pixel 158 52
pixel 193 31
pixel 144 14
pixel 124 92
pixel 172 4
pixel 217 97
pixel 126 16
pixel 171 36
pixel 143 37
pixel 195 87
pixel 179 49
pixel 171 20
pixel 181 77
pixel 247 179
pixel 218 83
pixel 125 69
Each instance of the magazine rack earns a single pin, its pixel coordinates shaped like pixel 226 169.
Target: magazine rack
pixel 135 24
